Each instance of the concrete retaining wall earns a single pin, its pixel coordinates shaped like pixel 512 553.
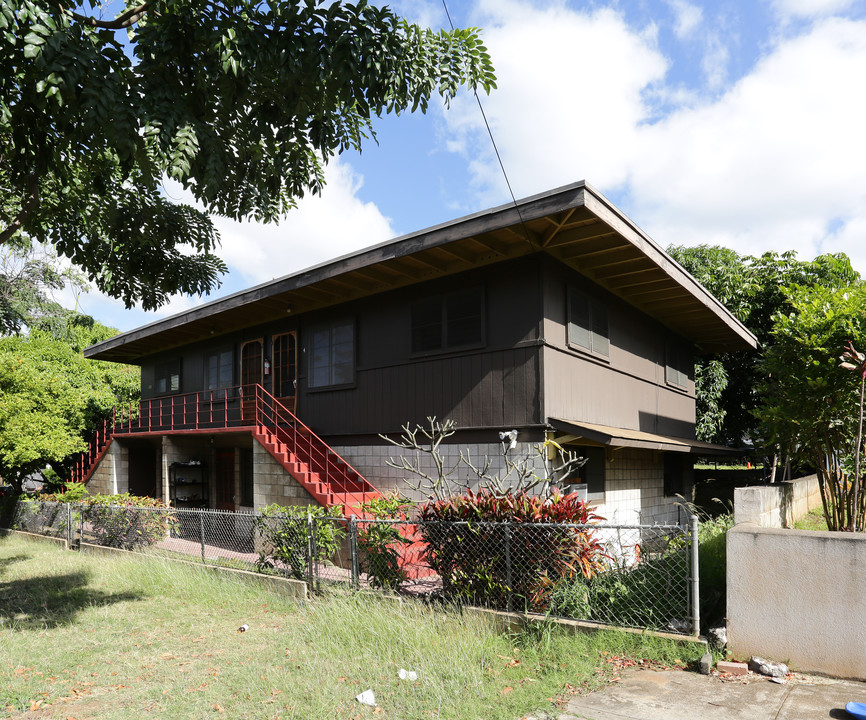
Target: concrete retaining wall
pixel 779 505
pixel 798 596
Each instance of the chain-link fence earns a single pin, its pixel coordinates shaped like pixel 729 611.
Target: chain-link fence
pixel 642 576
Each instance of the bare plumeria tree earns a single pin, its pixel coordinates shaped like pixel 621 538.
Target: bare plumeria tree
pixel 534 472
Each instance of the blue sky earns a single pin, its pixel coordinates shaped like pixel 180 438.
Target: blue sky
pixel 733 123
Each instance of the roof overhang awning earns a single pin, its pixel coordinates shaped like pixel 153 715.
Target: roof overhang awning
pixel 574 224
pixel 575 432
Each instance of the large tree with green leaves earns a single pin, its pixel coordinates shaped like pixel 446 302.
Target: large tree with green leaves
pixel 238 100
pixel 810 406
pixel 756 290
pixel 51 398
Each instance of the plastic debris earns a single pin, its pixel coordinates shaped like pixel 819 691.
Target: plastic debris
pixel 408 674
pixel 243 628
pixel 367 698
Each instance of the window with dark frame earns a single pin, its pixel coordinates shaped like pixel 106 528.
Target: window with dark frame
pixel 448 322
pixel 587 323
pixel 674 474
pixel 219 371
pixel 332 355
pixel 677 361
pixel 285 365
pixel 167 377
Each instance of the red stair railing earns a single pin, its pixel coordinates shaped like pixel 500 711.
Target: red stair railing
pixel 249 406
pixel 310 449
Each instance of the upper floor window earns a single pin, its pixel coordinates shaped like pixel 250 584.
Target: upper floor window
pixel 450 321
pixel 332 358
pixel 219 371
pixel 587 323
pixel 167 377
pixel 677 362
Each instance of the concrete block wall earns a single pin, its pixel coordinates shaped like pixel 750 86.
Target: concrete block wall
pixel 797 596
pixel 272 484
pixel 634 489
pixel 371 462
pixel 779 505
pixel 111 476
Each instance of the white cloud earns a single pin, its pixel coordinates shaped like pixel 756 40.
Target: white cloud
pixel 569 99
pixel 811 8
pixel 772 163
pixel 687 17
pixel 715 61
pixel 319 229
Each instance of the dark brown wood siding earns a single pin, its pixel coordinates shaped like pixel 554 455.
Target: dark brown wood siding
pixel 628 389
pixel 494 383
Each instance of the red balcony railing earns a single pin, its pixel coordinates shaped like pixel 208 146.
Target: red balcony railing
pixel 251 407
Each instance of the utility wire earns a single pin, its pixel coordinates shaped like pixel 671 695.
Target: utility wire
pixel 495 149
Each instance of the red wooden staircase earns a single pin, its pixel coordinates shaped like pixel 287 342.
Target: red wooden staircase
pixel 327 477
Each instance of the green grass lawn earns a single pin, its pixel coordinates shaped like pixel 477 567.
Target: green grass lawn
pixel 813 520
pixel 89 637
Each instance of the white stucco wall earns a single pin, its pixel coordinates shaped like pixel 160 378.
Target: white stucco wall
pixel 798 596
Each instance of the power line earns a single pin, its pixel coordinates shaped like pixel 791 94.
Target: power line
pixel 495 148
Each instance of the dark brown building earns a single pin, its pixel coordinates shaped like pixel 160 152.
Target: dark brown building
pixel 556 317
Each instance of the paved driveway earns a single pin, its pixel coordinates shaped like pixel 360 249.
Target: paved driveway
pixel 680 695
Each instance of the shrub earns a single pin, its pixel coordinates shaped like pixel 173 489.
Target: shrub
pixel 284 530
pixel 489 548
pixel 127 521
pixel 382 543
pixel 649 594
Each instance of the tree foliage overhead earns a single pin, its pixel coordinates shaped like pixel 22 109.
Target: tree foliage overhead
pixel 240 101
pixel 757 290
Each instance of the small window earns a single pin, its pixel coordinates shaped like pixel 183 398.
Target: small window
pixel 592 471
pixel 448 322
pixel 167 377
pixel 332 357
pixel 587 324
pixel 220 371
pixel 676 467
pixel 677 363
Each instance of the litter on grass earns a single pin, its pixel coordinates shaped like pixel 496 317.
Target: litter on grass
pixel 367 698
pixel 408 674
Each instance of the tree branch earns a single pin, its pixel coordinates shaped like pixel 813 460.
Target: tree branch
pixel 124 20
pixel 31 200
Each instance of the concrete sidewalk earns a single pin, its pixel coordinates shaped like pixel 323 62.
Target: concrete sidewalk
pixel 681 695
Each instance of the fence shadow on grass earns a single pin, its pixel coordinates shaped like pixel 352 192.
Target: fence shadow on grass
pixel 52 601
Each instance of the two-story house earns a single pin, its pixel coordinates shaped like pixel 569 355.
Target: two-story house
pixel 557 317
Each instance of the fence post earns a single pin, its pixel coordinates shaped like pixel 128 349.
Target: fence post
pixel 353 553
pixel 508 564
pixel 695 578
pixel 201 534
pixel 69 525
pixel 311 550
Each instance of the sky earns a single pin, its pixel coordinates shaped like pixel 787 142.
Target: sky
pixel 735 123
